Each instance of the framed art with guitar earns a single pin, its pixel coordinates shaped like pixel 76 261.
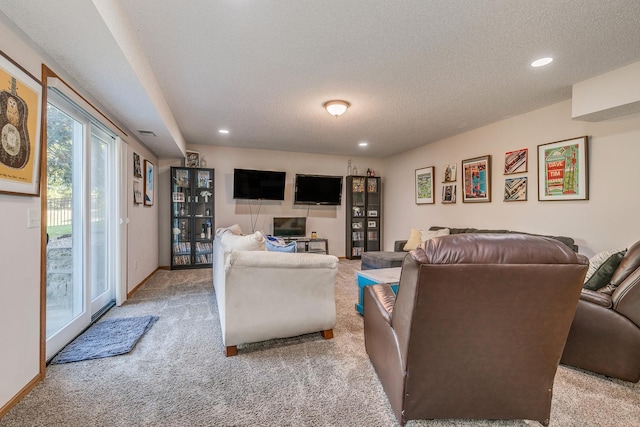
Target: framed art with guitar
pixel 20 127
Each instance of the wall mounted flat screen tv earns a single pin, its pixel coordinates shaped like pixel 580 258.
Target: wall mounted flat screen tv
pixel 318 190
pixel 258 184
pixel 290 227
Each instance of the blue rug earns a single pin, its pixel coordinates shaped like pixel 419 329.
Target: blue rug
pixel 106 338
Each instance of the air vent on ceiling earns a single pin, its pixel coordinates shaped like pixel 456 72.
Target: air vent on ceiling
pixel 146 133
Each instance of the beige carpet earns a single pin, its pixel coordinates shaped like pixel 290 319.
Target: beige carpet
pixel 177 375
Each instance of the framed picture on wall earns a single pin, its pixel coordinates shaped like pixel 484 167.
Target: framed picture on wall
pixel 137 193
pixel 20 113
pixel 515 189
pixel 476 180
pixel 562 170
pixel 449 174
pixel 137 167
pixel 192 160
pixel 424 185
pixel 148 183
pixel 516 161
pixel 449 193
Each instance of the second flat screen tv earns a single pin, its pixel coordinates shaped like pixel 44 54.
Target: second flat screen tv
pixel 258 185
pixel 318 190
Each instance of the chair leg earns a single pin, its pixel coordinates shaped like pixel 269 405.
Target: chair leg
pixel 232 350
pixel 328 334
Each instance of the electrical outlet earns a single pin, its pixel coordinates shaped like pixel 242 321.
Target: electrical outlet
pixel 33 218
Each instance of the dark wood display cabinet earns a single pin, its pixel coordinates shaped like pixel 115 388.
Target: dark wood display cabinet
pixel 192 217
pixel 364 215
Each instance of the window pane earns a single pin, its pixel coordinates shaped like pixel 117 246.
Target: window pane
pixel 64 294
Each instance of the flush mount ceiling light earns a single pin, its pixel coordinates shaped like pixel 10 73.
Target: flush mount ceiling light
pixel 542 62
pixel 363 144
pixel 223 131
pixel 336 107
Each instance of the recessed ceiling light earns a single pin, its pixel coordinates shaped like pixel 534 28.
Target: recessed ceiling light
pixel 223 131
pixel 542 62
pixel 363 144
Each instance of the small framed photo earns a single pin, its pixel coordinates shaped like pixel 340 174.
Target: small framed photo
pixel 516 161
pixel 424 185
pixel 181 178
pixel 476 179
pixel 562 170
pixel 148 182
pixel 371 224
pixel 137 167
pixel 204 179
pixel 137 193
pixel 449 193
pixel 357 185
pixel 356 225
pixel 450 173
pixel 372 185
pixel 372 213
pixel 178 197
pixel 192 160
pixel 515 189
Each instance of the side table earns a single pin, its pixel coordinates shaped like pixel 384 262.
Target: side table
pixel 366 278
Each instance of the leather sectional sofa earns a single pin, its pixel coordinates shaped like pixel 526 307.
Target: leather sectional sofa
pixel 389 259
pixel 605 334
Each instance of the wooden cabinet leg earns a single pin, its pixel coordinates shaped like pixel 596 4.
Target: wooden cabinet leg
pixel 328 334
pixel 232 350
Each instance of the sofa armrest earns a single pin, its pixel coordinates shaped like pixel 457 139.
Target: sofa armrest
pixel 398 245
pixel 598 298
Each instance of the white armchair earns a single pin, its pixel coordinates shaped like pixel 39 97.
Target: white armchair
pixel 263 295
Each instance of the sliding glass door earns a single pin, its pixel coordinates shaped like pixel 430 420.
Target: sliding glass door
pixel 81 223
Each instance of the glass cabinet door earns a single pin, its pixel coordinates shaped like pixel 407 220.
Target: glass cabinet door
pixel 181 227
pixel 203 209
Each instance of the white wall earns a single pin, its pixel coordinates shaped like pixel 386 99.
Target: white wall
pixel 327 221
pixel 20 249
pixel 19 264
pixel 607 220
pixel 142 232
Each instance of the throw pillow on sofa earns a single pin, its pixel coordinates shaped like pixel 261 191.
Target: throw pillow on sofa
pixel 597 260
pixel 413 241
pixel 602 276
pixel 430 234
pixel 249 242
pixel 418 237
pixel 276 244
pixel 234 229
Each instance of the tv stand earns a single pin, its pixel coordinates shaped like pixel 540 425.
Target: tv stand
pixel 314 246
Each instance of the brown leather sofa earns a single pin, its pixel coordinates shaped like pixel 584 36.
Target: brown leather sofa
pixel 387 259
pixel 477 328
pixel 605 333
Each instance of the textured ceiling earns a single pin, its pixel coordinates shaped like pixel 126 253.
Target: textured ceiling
pixel 415 71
